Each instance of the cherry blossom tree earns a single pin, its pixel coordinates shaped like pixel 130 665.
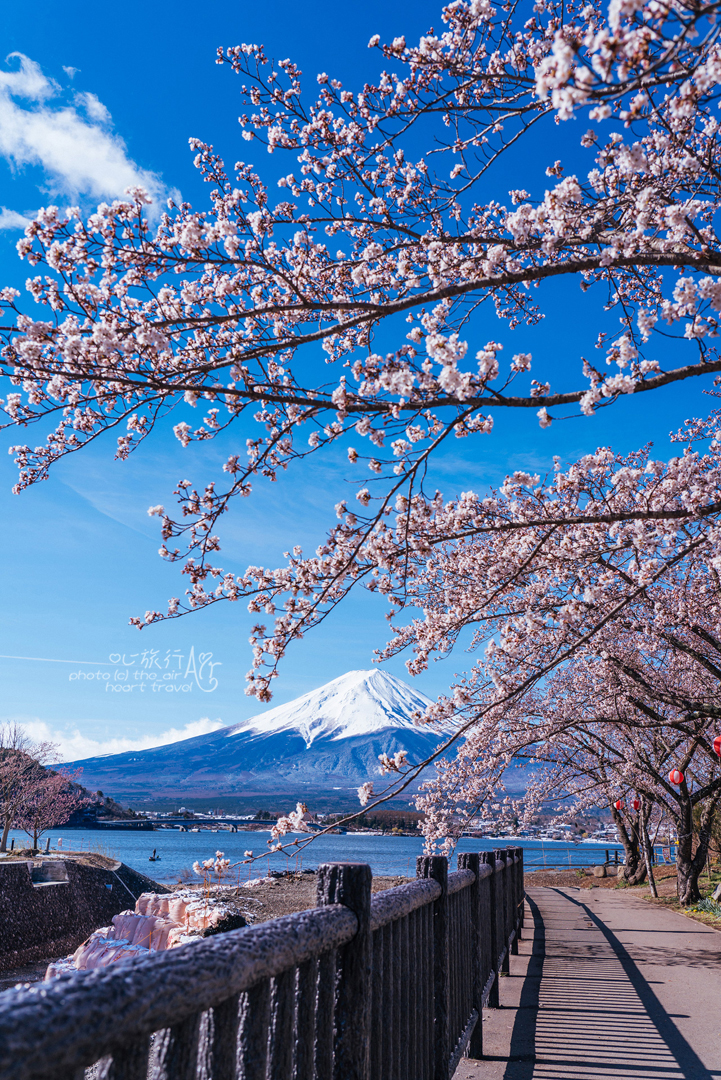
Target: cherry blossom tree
pixel 533 573
pixel 49 800
pixel 641 761
pixel 384 229
pixel 390 252
pixel 632 820
pixel 21 768
pixel 628 707
pixel 583 772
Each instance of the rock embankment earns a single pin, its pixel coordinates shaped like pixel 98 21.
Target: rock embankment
pixel 160 922
pixel 157 923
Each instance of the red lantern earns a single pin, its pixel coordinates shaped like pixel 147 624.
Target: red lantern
pixel 619 804
pixel 636 804
pixel 676 777
pixel 717 745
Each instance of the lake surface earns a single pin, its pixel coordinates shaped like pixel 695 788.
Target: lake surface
pixel 386 854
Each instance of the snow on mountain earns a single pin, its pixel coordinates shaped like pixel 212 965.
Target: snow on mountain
pixel 324 742
pixel 357 703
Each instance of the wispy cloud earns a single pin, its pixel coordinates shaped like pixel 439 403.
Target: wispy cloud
pixel 10 219
pixel 71 140
pixel 74 746
pixel 93 107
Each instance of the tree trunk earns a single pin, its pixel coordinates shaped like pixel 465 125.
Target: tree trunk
pixel 6 829
pixel 634 870
pixel 687 881
pixel 647 852
pixel 688 864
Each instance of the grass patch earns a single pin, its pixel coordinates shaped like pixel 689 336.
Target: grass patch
pixel 705 911
pixel 708 907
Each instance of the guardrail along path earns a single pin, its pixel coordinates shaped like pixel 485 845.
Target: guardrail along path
pixel 359 988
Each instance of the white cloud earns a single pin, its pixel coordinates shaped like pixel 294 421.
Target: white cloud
pixel 94 107
pixel 28 81
pixel 72 143
pixel 71 72
pixel 10 219
pixel 73 745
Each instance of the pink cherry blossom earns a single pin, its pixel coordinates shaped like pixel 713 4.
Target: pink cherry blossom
pixel 382 228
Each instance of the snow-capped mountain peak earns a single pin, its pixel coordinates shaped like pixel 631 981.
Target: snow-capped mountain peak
pixel 357 703
pixel 321 746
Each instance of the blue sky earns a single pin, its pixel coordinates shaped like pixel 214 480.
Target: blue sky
pixel 90 105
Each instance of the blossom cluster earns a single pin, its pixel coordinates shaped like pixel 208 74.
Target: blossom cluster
pixel 383 230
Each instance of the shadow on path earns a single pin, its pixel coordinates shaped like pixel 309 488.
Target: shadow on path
pixel 522 1057
pixel 586 1011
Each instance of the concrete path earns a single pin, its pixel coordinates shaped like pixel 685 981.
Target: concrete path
pixel 605 986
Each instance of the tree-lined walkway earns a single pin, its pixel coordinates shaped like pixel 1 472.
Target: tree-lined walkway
pixel 606 986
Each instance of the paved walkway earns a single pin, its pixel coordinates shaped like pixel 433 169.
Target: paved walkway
pixel 605 986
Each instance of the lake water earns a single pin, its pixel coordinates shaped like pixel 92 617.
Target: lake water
pixel 386 854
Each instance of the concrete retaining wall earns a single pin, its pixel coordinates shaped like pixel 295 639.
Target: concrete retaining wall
pixel 49 906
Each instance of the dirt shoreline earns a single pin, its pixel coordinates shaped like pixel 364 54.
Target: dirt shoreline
pixel 582 878
pixel 269 899
pixel 288 893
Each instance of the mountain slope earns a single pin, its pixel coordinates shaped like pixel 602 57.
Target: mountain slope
pixel 357 703
pixel 327 740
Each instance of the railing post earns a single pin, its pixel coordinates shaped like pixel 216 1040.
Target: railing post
pixel 470 860
pixel 516 854
pixel 350 884
pixel 436 867
pixel 130 1063
pixel 489 858
pixel 176 1056
pixel 522 887
pixel 512 899
pixel 505 901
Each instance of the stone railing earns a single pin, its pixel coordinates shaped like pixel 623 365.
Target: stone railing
pixel 388 988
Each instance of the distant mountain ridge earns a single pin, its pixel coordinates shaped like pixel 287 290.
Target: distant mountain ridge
pixel 325 741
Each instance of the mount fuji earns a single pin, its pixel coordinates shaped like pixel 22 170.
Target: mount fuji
pixel 325 743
